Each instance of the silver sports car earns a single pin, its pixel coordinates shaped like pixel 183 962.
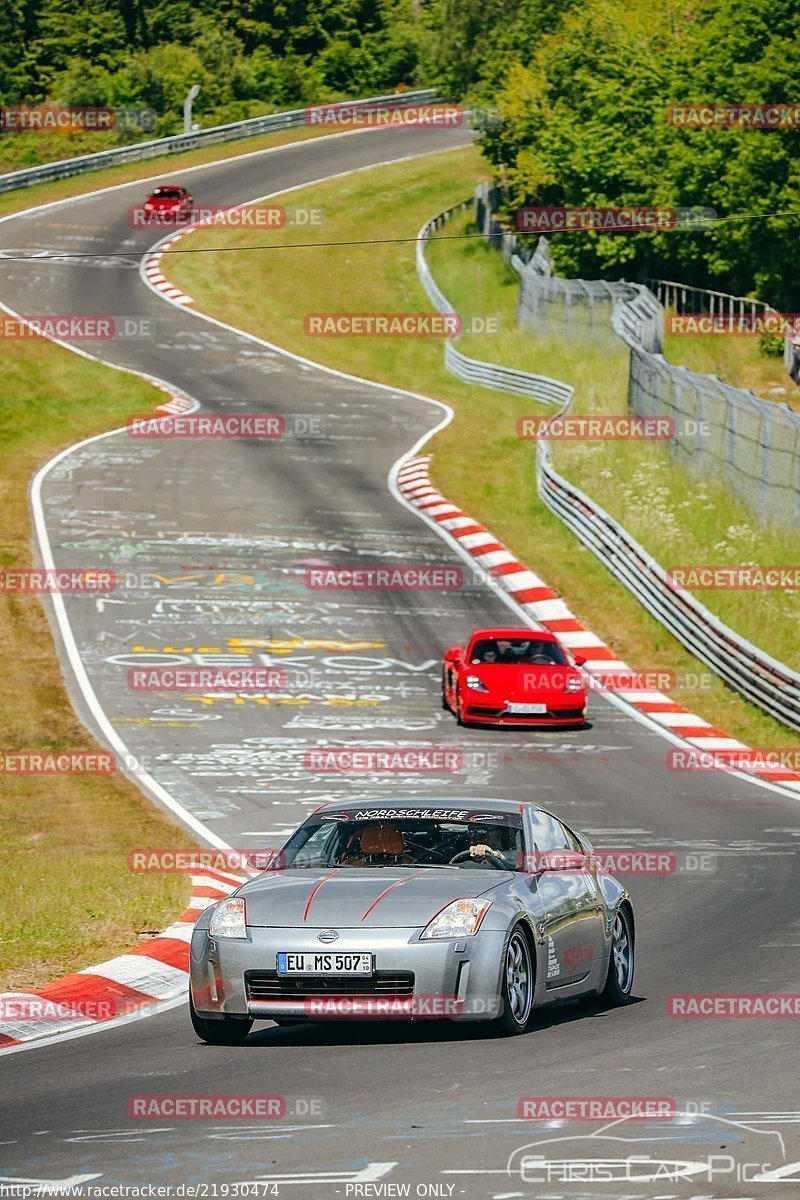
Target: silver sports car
pixel 472 910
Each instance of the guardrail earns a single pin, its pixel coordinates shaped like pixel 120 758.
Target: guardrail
pixel 475 370
pixel 203 137
pixel 686 299
pixel 761 679
pixel 753 673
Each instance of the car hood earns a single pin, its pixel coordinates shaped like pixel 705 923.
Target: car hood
pixel 523 683
pixel 361 897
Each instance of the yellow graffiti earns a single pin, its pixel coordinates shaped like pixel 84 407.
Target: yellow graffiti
pixel 287 645
pixel 275 645
pixel 221 577
pixel 325 701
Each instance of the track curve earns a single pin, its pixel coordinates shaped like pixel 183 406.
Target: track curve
pixel 422 1103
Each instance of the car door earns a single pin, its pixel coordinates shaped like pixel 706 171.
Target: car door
pixel 571 900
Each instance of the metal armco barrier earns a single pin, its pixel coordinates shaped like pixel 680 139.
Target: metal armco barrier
pixel 757 676
pixel 474 370
pixel 761 679
pixel 203 137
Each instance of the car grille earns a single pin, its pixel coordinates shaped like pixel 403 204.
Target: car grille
pixel 264 985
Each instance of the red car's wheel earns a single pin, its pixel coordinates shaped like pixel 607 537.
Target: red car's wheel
pixel 459 714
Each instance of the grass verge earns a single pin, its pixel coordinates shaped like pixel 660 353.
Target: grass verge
pixel 479 462
pixel 737 361
pixel 68 899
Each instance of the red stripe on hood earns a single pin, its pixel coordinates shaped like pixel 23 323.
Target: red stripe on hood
pixel 385 892
pixel 316 889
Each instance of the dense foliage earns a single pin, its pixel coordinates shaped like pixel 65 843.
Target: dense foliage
pixel 148 52
pixel 583 86
pixel 585 124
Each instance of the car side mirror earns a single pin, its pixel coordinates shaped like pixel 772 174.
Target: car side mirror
pixel 579 660
pixel 454 654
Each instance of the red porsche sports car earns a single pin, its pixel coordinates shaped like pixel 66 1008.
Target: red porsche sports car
pixel 169 202
pixel 513 677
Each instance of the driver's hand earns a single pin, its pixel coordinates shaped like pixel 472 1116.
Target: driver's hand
pixel 481 851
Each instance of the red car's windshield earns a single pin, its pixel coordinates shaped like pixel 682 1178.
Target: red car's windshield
pixel 168 194
pixel 511 651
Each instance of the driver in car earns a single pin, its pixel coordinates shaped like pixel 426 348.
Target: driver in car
pixel 484 844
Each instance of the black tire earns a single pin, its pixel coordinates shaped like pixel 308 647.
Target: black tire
pixel 621 961
pixel 517 982
pixel 229 1031
pixel 459 718
pixel 445 704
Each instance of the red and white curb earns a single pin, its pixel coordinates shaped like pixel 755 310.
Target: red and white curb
pixel 538 601
pixel 157 970
pixel 152 262
pixel 152 270
pixel 178 404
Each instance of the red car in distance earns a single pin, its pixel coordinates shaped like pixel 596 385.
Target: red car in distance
pixel 168 202
pixel 513 677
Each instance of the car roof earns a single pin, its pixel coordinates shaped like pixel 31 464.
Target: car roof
pixel 505 631
pixel 177 186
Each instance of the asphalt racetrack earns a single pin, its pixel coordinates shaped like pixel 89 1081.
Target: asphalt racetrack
pixel 209 536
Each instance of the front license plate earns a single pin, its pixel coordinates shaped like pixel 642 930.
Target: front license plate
pixel 324 964
pixel 526 708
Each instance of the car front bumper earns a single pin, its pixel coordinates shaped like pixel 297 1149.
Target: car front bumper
pixel 484 714
pixel 454 978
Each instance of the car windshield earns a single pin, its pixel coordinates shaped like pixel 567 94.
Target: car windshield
pixel 511 651
pixel 399 837
pixel 167 193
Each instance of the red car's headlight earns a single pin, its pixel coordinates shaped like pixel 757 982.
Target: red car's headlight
pixel 574 685
pixel 476 684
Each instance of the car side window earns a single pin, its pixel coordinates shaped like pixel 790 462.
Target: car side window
pixel 573 841
pixel 548 833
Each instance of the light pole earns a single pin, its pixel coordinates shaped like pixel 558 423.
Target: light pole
pixel 187 107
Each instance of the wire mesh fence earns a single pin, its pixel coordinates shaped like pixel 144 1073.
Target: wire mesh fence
pixel 722 431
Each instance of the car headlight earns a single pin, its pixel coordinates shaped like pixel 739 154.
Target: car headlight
pixel 574 685
pixel 476 684
pixel 229 919
pixel 461 918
